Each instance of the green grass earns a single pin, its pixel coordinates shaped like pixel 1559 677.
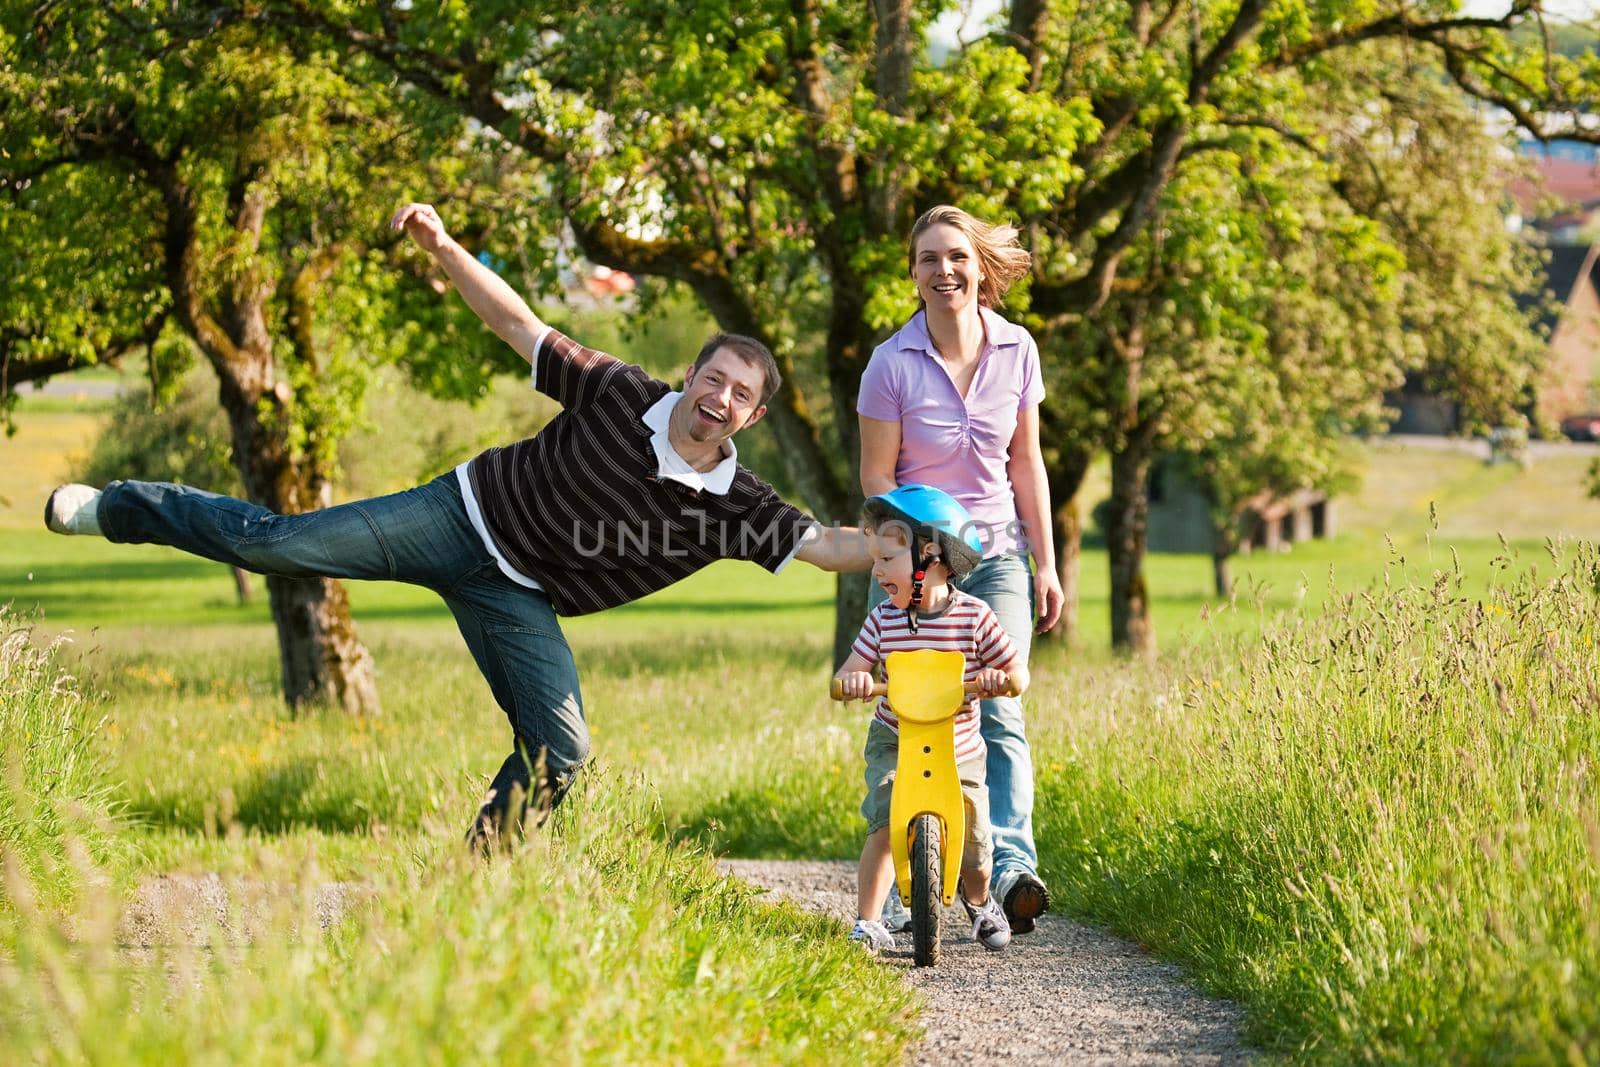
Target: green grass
pixel 1377 828
pixel 594 943
pixel 1184 805
pixel 52 782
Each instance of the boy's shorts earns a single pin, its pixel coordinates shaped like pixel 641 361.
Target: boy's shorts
pixel 882 751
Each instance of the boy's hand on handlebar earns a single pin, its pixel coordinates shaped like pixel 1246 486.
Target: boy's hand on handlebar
pixel 855 685
pixel 992 682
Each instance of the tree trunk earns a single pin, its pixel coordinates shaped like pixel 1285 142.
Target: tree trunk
pixel 1222 574
pixel 242 586
pixel 850 608
pixel 1069 556
pixel 1065 471
pixel 1224 544
pixel 319 653
pixel 1132 629
pixel 321 659
pixel 320 656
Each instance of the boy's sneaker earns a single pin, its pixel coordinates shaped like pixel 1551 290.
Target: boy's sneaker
pixel 1024 898
pixel 73 509
pixel 873 937
pixel 896 919
pixel 989 925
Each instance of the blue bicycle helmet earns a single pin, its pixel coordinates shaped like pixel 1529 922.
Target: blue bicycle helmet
pixel 931 515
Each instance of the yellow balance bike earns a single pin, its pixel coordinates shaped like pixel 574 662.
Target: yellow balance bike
pixel 925 692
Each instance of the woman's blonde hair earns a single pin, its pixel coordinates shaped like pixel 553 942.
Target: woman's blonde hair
pixel 1000 257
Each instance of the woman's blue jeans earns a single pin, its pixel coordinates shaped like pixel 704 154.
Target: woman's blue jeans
pixel 1005 583
pixel 421 536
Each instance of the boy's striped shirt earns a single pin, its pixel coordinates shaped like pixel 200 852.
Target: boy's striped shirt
pixel 967 626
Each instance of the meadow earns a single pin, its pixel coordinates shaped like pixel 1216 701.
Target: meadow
pixel 1358 797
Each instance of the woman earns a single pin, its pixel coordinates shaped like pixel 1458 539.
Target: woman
pixel 952 400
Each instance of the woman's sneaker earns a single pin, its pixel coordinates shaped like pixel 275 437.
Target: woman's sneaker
pixel 1024 898
pixel 896 919
pixel 989 925
pixel 872 936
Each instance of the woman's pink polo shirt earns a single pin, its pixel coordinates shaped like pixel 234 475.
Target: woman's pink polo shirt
pixel 958 444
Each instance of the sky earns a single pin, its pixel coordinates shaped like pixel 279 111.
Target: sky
pixel 974 13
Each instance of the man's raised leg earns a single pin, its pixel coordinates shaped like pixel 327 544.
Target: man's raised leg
pixel 421 536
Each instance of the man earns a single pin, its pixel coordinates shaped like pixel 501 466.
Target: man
pixel 631 488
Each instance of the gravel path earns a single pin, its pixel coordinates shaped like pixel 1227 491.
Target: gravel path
pixel 1064 994
pixel 195 909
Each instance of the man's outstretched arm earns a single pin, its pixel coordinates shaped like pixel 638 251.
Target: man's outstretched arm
pixel 835 548
pixel 485 292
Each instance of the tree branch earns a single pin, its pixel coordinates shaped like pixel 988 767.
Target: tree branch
pixel 1399 24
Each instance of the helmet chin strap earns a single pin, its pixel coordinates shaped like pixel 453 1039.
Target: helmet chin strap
pixel 918 573
pixel 916 598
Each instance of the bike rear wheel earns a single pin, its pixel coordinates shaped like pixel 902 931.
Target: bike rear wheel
pixel 925 882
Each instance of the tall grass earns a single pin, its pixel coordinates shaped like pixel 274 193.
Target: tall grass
pixel 598 941
pixel 51 784
pixel 1379 830
pixel 594 943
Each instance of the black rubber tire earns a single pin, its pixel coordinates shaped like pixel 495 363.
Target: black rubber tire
pixel 925 884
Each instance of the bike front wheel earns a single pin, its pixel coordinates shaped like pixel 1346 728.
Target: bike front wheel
pixel 925 882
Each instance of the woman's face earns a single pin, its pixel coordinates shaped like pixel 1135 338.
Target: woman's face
pixel 945 269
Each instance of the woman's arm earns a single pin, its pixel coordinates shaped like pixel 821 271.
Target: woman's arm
pixel 1032 492
pixel 880 453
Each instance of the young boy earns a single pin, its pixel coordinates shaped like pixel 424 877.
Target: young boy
pixel 920 539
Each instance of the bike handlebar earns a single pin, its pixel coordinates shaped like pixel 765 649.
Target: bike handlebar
pixel 836 689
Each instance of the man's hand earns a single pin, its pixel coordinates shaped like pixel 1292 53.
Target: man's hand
pixel 857 685
pixel 485 292
pixel 422 225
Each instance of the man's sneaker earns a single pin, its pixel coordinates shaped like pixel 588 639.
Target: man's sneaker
pixel 73 509
pixel 1025 899
pixel 989 925
pixel 896 919
pixel 873 937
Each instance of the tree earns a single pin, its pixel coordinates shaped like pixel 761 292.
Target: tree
pixel 233 191
pixel 771 157
pixel 790 144
pixel 179 437
pixel 1188 88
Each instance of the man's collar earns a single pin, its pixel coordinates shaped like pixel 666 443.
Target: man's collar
pixel 673 467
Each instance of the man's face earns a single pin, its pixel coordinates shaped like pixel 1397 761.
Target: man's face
pixel 719 399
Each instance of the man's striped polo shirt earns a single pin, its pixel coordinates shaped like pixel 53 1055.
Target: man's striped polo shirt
pixel 581 508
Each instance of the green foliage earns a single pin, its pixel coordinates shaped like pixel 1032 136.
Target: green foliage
pixel 158 153
pixel 184 439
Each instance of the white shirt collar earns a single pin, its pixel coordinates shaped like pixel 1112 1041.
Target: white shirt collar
pixel 670 465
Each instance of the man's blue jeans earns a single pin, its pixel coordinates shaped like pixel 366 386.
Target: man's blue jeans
pixel 1005 583
pixel 421 536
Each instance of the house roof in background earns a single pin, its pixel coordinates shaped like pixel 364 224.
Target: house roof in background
pixel 1568 263
pixel 1574 182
